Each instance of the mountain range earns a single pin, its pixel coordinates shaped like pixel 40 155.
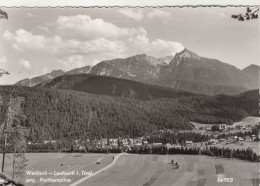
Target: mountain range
pixel 39 79
pixel 134 96
pixel 185 71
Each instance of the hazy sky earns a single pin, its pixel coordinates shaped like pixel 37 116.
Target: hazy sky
pixel 35 41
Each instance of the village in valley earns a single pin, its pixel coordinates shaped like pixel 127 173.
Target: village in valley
pixel 241 135
pixel 124 96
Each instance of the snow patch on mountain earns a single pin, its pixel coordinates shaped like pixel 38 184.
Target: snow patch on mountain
pixel 105 72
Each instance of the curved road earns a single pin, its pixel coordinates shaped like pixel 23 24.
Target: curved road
pixel 99 171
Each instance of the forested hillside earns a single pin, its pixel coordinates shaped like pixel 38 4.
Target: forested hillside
pixel 221 108
pixel 105 85
pixel 65 114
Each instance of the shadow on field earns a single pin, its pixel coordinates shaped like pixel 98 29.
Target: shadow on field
pixel 219 169
pixel 150 182
pixel 256 181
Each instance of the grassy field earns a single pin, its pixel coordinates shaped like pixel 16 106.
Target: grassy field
pixel 59 162
pixel 241 145
pixel 146 170
pixel 250 120
pixel 143 170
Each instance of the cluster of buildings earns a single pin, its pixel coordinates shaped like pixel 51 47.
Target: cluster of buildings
pixel 224 127
pixel 140 141
pixel 122 142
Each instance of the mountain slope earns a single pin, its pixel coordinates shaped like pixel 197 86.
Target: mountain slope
pixel 141 68
pixel 253 71
pixel 82 70
pixel 111 86
pixel 166 60
pixel 39 79
pixel 190 72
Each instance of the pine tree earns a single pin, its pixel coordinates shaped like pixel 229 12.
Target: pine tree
pixel 15 134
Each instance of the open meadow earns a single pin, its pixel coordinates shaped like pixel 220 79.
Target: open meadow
pixel 143 170
pixel 147 170
pixel 68 162
pixel 250 120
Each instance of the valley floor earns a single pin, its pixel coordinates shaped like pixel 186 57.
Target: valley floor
pixel 143 170
pixel 146 170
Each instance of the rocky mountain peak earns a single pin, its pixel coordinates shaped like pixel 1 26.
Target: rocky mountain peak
pixel 187 54
pixel 142 55
pixel 166 60
pixel 148 59
pixel 252 67
pixel 182 55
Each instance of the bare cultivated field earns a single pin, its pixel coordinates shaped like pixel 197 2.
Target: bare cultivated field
pixel 147 170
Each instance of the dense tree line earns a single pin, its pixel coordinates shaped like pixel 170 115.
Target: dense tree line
pixel 244 154
pixel 105 150
pixel 66 115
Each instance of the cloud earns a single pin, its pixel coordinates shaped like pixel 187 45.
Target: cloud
pixel 26 65
pixel 45 70
pixel 138 14
pixel 43 28
pixel 135 14
pixel 86 41
pixel 29 14
pixel 222 15
pixel 107 47
pixel 165 48
pixel 3 61
pixel 73 61
pixel 84 27
pixel 158 13
pixel 24 39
